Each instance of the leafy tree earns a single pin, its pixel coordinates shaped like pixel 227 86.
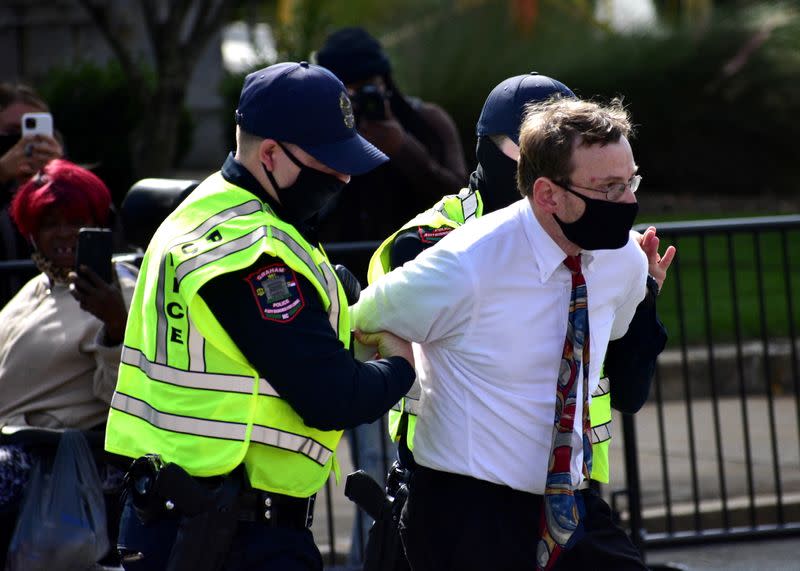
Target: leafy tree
pixel 178 31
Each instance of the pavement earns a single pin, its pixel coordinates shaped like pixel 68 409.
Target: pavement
pixel 749 478
pixel 763 555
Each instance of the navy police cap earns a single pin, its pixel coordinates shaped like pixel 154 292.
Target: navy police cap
pixel 502 112
pixel 306 105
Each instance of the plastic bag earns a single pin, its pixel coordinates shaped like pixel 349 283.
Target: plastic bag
pixel 62 522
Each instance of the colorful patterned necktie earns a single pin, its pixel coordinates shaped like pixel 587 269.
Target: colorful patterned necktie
pixel 560 520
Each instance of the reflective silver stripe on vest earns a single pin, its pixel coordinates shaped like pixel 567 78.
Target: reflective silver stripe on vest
pixel 177 423
pixel 601 433
pixel 330 283
pixel 226 249
pixel 397 406
pixel 298 251
pixel 415 392
pixel 217 429
pixel 603 387
pixel 469 205
pixel 244 209
pixel 194 379
pixel 412 406
pixel 292 442
pixel 196 344
pixel 411 400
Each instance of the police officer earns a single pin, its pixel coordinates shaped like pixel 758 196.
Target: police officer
pixel 236 379
pixel 492 185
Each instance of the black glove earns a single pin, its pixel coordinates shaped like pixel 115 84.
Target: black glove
pixel 350 283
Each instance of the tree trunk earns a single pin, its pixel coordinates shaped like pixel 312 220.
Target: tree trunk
pixel 155 140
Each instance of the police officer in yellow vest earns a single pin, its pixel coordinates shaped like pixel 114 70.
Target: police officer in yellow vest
pixel 236 379
pixel 493 186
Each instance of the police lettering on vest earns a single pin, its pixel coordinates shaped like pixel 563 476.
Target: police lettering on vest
pixel 177 349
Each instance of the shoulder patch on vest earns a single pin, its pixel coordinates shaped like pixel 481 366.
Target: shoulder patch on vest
pixel 428 235
pixel 276 292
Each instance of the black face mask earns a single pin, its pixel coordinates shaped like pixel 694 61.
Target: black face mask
pixel 7 141
pixel 308 195
pixel 603 226
pixel 495 177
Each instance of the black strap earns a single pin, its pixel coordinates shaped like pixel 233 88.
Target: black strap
pixel 276 510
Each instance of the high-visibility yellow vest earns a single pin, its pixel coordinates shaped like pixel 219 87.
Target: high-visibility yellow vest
pixel 450 212
pixel 600 419
pixel 453 211
pixel 184 390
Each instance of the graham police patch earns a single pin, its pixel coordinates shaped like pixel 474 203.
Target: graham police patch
pixel 276 292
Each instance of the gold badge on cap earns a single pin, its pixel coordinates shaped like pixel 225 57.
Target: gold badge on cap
pixel 347 110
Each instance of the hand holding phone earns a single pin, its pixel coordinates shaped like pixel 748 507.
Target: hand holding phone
pixel 94 251
pixel 94 290
pixel 37 124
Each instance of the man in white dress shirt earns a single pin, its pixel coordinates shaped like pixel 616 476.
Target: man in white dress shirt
pixel 488 306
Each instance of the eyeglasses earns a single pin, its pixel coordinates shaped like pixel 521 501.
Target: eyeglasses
pixel 613 191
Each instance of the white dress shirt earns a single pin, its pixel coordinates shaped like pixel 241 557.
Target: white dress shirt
pixel 488 306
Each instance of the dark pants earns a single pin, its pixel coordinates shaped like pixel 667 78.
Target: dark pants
pixel 454 522
pixel 256 546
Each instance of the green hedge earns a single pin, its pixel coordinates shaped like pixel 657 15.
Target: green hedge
pixel 96 112
pixel 700 130
pixel 698 300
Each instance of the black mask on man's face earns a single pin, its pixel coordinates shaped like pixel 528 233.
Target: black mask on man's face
pixel 495 177
pixel 604 225
pixel 308 195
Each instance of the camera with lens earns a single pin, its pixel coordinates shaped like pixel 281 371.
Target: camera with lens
pixel 369 102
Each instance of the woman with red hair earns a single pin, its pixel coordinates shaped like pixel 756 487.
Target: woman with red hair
pixel 61 335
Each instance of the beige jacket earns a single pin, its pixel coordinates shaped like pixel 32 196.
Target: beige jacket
pixel 54 369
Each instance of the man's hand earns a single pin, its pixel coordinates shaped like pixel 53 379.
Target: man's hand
pixel 386 345
pixel 657 264
pixel 28 156
pixel 101 299
pixel 386 134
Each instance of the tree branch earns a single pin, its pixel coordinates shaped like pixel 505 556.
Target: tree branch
pixel 149 9
pixel 176 17
pixel 100 16
pixel 210 17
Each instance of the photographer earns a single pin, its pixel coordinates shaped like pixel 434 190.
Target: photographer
pixel 20 158
pixel 420 138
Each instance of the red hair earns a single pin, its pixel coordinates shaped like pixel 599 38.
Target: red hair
pixel 62 184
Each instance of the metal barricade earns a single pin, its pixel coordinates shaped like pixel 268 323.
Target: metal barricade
pixel 714 454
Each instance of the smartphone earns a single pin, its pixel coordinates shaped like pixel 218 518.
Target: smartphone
pixel 94 251
pixel 37 124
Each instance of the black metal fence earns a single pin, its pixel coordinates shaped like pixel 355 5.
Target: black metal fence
pixel 715 454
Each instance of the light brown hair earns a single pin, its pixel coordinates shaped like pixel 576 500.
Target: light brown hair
pixel 549 130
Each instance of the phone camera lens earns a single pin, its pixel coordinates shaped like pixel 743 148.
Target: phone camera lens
pixel 30 122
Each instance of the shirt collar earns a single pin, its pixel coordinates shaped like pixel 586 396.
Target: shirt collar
pixel 548 255
pixel 236 173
